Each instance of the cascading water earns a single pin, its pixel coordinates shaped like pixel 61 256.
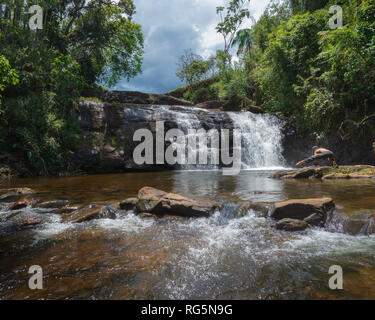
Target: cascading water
pixel 261 140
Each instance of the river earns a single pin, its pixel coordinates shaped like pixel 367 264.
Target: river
pixel 235 254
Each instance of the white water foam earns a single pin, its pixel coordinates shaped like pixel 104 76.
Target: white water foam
pixel 261 140
pixel 261 137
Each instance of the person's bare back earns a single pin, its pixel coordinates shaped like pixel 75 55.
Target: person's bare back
pixel 325 153
pixel 321 150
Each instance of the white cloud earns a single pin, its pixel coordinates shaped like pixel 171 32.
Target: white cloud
pixel 170 27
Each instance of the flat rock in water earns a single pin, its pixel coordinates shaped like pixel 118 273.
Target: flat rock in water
pixel 313 210
pixel 21 220
pixel 90 212
pixel 15 193
pixel 65 210
pixel 23 203
pixel 158 202
pixel 291 225
pixel 56 204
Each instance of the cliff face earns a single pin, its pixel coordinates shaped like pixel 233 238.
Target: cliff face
pixel 108 129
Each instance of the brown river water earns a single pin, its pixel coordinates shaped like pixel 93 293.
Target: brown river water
pixel 226 256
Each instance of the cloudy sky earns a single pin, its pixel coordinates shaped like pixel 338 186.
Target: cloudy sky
pixel 170 27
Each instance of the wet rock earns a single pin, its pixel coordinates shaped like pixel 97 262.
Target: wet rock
pixel 148 199
pixel 128 204
pixel 360 225
pixel 21 220
pixel 336 176
pixel 328 173
pixel 301 174
pixel 23 203
pixel 65 210
pixel 113 151
pixel 317 219
pixel 56 204
pixel 14 194
pixel 161 203
pixel 314 211
pixel 145 215
pixel 261 210
pixel 291 225
pixel 304 173
pixel 280 174
pixel 90 212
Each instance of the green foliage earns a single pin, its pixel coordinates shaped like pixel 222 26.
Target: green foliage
pixel 293 64
pixel 290 54
pixel 192 68
pixel 82 43
pixel 231 19
pixel 244 40
pixel 8 76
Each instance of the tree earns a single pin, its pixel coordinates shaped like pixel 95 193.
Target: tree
pixel 99 34
pixel 299 6
pixel 231 19
pixel 244 40
pixel 192 68
pixel 82 43
pixel 8 76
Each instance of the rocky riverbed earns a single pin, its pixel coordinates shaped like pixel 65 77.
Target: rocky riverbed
pixel 151 203
pixel 188 234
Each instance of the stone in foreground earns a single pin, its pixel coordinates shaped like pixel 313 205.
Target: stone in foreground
pixel 291 225
pixel 23 203
pixel 55 204
pixel 158 202
pixel 313 211
pixel 90 212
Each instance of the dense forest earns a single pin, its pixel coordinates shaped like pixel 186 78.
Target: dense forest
pixel 291 62
pixel 43 72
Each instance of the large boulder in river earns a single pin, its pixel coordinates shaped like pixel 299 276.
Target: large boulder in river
pixel 313 211
pixel 291 225
pixel 158 202
pixel 90 212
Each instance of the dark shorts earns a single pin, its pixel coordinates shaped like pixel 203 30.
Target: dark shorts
pixel 321 156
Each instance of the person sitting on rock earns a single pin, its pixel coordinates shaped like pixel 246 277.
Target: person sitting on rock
pixel 319 154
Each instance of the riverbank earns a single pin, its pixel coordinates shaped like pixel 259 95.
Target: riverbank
pixel 329 173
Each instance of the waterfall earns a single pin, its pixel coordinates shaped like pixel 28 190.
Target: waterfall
pixel 261 140
pixel 261 135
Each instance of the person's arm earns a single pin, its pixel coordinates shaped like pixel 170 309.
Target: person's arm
pixel 299 164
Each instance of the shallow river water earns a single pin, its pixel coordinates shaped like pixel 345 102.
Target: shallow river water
pixel 235 254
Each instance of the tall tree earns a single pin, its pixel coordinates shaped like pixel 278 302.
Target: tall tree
pixel 231 19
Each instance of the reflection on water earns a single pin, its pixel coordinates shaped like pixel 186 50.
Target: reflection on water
pixel 212 258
